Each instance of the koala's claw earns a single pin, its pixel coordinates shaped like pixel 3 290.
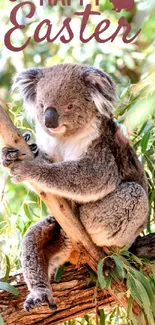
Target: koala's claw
pixel 27 136
pixel 9 155
pixel 34 148
pixel 37 297
pixel 29 304
pixel 52 305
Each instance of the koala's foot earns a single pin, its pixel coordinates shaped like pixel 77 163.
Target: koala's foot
pixel 39 296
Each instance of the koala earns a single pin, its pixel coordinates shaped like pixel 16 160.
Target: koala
pixel 84 157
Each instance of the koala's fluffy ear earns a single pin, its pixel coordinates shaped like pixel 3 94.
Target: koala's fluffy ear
pixel 26 82
pixel 102 90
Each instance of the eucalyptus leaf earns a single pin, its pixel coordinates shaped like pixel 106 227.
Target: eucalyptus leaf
pixel 138 290
pixel 101 278
pixel 147 285
pixel 7 272
pixel 1 320
pixel 144 141
pixel 102 317
pixel 8 287
pixel 26 211
pixel 119 266
pixel 59 273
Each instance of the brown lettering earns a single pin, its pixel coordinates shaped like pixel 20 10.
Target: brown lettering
pixel 47 36
pixel 13 19
pixel 39 39
pixel 66 24
pixel 123 23
pixel 98 31
pixel 55 2
pixel 86 14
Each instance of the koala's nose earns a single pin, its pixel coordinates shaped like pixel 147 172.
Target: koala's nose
pixel 51 118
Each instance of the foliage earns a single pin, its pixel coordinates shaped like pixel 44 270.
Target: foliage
pixel 8 287
pixel 140 281
pixel 132 67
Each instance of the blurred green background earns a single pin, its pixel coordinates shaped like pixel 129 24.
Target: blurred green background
pixel 132 67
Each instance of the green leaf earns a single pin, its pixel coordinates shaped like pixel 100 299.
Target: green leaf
pixel 7 272
pixel 136 259
pixel 59 273
pixel 115 275
pixel 152 198
pixel 139 293
pixel 86 317
pixel 1 320
pixel 102 317
pixel 119 266
pixel 147 285
pixel 108 280
pixel 125 253
pixel 129 306
pixel 112 315
pixel 26 211
pixel 148 126
pixel 8 287
pixel 101 278
pixel 131 285
pixel 126 263
pixel 144 141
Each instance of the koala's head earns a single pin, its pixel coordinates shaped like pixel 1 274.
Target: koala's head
pixel 66 98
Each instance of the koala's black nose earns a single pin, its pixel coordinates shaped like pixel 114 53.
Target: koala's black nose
pixel 51 118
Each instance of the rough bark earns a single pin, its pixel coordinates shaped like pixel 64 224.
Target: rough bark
pixel 74 296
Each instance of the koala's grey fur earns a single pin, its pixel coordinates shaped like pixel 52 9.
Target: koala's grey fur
pixel 92 164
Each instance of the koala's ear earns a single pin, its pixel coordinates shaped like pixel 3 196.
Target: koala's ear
pixel 26 82
pixel 101 89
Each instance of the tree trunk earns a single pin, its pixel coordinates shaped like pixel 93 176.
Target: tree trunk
pixel 74 295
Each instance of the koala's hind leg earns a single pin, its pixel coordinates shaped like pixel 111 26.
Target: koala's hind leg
pixel 45 247
pixel 118 218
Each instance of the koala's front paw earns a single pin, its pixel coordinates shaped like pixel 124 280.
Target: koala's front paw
pixel 9 155
pixel 39 296
pixel 17 168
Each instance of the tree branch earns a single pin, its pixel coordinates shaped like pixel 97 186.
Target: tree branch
pixel 72 294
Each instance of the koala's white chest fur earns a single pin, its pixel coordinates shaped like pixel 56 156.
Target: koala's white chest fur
pixel 64 150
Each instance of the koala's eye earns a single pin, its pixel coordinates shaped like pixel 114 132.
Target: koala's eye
pixel 70 106
pixel 41 105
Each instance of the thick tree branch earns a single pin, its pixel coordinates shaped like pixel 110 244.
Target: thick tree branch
pixel 72 294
